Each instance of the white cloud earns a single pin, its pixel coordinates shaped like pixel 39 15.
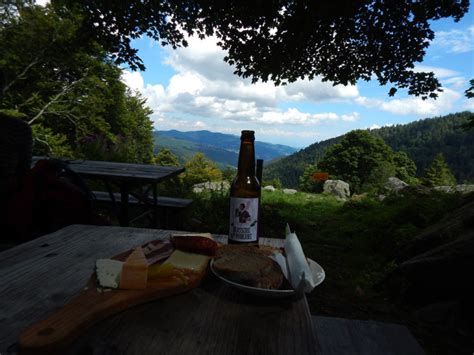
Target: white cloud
pixel 133 80
pixel 275 132
pixel 178 124
pixel 468 104
pixel 456 41
pixel 414 105
pixel 296 117
pixel 448 77
pixel 457 82
pixel 204 87
pixel 42 2
pixel 376 126
pixel 317 91
pixel 205 57
pixel 439 72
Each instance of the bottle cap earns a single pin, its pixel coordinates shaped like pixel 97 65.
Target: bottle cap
pixel 248 135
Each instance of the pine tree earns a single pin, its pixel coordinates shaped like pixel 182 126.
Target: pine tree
pixel 306 181
pixel 200 169
pixel 438 173
pixel 165 157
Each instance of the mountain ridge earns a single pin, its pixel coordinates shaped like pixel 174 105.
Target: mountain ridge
pixel 222 148
pixel 421 140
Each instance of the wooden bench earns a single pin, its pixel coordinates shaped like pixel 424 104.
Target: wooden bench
pixel 356 337
pixel 167 205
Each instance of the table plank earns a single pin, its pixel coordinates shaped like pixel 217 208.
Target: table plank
pixel 140 173
pixel 214 318
pixel 126 175
pixel 354 337
pixel 144 176
pixel 41 276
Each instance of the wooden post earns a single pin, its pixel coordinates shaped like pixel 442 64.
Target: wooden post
pixel 259 170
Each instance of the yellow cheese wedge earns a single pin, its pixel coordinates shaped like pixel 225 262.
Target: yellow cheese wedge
pixel 161 270
pixel 135 271
pixel 204 235
pixel 182 260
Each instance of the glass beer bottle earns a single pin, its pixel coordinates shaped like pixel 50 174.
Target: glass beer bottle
pixel 245 196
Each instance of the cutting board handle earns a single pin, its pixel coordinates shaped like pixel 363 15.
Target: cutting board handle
pixel 59 330
pixel 55 332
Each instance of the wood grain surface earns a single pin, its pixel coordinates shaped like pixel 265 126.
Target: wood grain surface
pixel 91 305
pixel 40 277
pixel 144 173
pixel 355 337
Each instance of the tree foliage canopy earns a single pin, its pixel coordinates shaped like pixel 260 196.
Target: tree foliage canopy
pixel 200 169
pixel 438 173
pixel 470 95
pixel 306 181
pixel 364 160
pixel 340 40
pixel 420 140
pixel 68 89
pixel 165 157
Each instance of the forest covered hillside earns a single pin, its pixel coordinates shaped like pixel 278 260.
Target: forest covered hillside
pixel 221 148
pixel 421 140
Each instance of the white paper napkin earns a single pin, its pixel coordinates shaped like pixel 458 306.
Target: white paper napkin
pixel 295 266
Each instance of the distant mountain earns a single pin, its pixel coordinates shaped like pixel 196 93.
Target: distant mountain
pixel 421 140
pixel 219 147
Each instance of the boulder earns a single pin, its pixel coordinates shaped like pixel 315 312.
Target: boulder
pixel 337 188
pixel 289 191
pixel 211 186
pixel 415 190
pixel 462 188
pixel 269 188
pixel 394 184
pixel 446 189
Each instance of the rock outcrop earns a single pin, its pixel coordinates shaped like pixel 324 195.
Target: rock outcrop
pixel 463 188
pixel 337 188
pixel 211 186
pixel 393 185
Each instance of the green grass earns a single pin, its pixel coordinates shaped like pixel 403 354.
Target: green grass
pixel 356 242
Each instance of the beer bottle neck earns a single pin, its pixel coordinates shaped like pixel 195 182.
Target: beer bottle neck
pixel 246 158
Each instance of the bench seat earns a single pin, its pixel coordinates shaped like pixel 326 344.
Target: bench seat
pixel 168 207
pixel 161 201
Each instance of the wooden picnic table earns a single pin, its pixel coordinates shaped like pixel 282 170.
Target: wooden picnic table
pixel 125 176
pixel 41 276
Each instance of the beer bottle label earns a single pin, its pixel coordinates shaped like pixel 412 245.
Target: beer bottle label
pixel 243 219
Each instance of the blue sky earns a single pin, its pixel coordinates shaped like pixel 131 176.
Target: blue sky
pixel 193 89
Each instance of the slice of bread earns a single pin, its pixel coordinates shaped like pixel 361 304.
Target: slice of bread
pixel 200 243
pixel 248 265
pixel 239 249
pixel 273 280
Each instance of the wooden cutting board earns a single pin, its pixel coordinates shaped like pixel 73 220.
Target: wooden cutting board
pixel 59 330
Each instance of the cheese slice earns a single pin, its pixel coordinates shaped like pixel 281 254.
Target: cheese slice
pixel 135 271
pixel 204 235
pixel 108 272
pixel 189 261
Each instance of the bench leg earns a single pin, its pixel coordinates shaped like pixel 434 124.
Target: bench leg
pixel 155 206
pixel 124 189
